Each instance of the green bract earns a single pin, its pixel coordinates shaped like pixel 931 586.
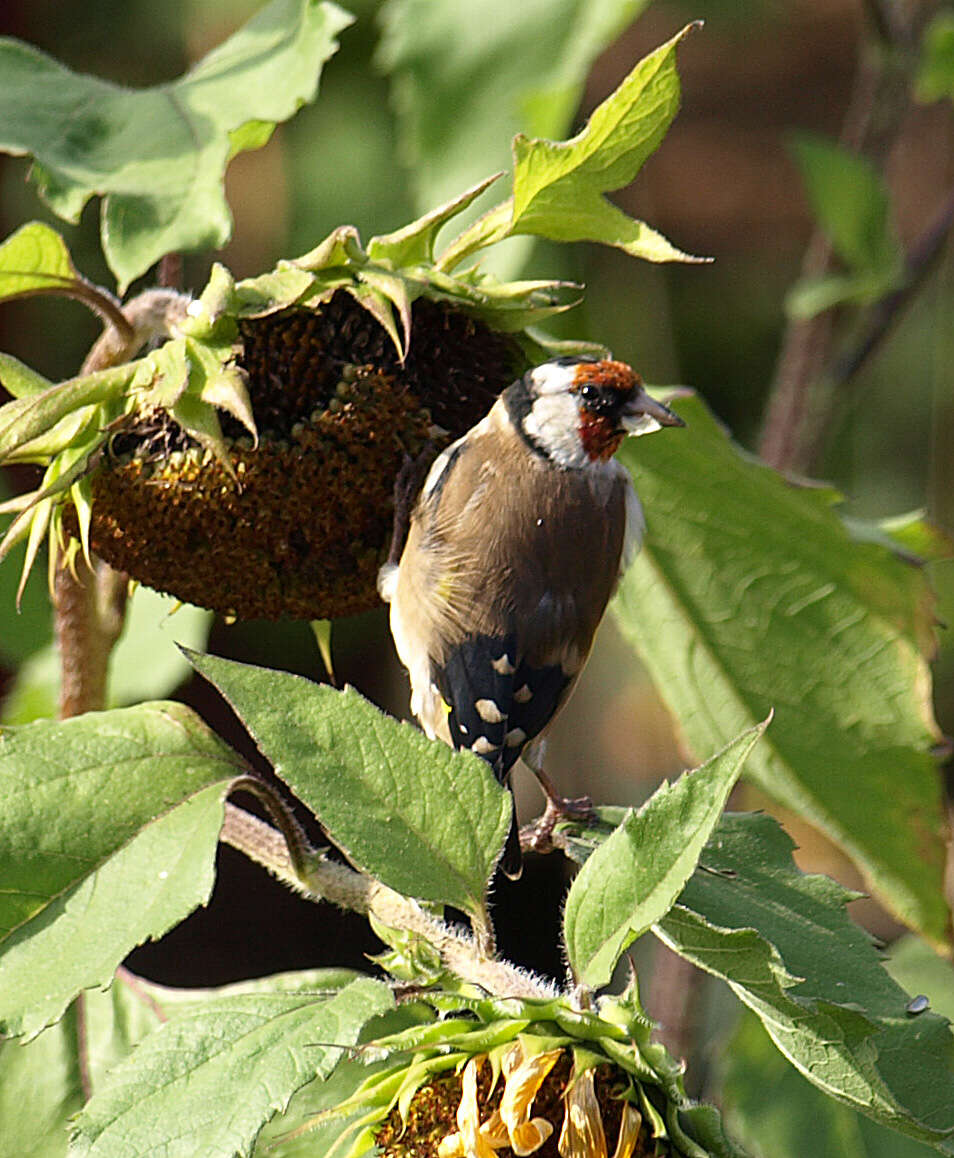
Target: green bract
pixel 477 1075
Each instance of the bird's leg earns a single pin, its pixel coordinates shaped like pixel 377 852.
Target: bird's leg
pixel 407 485
pixel 537 836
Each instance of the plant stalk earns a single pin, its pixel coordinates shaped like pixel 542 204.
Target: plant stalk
pixel 803 393
pixel 461 953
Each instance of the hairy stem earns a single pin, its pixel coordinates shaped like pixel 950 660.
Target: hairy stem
pixel 89 606
pixel 324 879
pixel 89 598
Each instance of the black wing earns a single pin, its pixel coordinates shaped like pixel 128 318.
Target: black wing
pixel 498 702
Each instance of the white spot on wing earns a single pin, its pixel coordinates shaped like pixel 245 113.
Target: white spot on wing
pixel 504 665
pixel 515 737
pixel 489 712
pixel 523 695
pixel 482 746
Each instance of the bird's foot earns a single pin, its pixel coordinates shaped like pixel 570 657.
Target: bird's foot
pixel 538 835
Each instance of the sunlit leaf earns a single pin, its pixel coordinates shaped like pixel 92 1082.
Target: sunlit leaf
pixel 468 77
pixel 157 156
pixel 560 187
pixel 636 875
pixel 107 837
pixel 247 1053
pixel 35 260
pixel 425 820
pixel 751 595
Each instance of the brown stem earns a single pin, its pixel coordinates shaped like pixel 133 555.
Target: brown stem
pixel 89 610
pixel 801 398
pixel 673 999
pixel 82 1047
pixel 882 315
pixel 299 851
pixel 468 957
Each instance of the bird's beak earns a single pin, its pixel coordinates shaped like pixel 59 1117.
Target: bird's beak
pixel 643 415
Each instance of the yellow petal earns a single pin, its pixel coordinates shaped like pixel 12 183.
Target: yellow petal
pixel 530 1136
pixel 495 1131
pixel 582 1134
pixel 521 1086
pixel 629 1126
pixel 451 1147
pixel 473 1144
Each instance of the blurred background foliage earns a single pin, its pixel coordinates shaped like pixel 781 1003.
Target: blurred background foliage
pixel 725 183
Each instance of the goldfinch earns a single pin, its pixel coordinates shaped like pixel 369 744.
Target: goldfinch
pixel 515 544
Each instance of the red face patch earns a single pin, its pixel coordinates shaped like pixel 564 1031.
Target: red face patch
pixel 615 375
pixel 600 433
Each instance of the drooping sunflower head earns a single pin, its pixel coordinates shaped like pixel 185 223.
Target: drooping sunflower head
pixel 247 462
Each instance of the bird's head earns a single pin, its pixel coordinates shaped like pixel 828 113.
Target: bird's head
pixel 576 410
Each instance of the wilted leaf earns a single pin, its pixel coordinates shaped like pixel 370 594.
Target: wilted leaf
pixel 749 595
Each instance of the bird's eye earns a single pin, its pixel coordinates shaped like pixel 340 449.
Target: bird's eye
pixel 588 393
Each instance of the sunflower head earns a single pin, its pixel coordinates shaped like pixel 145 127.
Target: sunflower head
pixel 495 1078
pixel 247 463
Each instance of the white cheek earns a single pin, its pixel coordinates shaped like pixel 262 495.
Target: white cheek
pixel 552 424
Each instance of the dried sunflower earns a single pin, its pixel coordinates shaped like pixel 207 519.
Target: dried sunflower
pixel 497 1078
pixel 247 462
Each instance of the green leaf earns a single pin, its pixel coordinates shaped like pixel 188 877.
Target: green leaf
pixel 35 260
pixel 786 946
pixel 426 820
pixel 107 837
pixel 935 78
pixel 559 187
pixel 19 379
pixel 466 79
pixel 776 1113
pixel 48 1074
pixel 634 877
pixel 30 628
pixel 741 570
pixel 157 156
pixel 208 1080
pixel 851 203
pixel 26 419
pixel 918 969
pixel 414 243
